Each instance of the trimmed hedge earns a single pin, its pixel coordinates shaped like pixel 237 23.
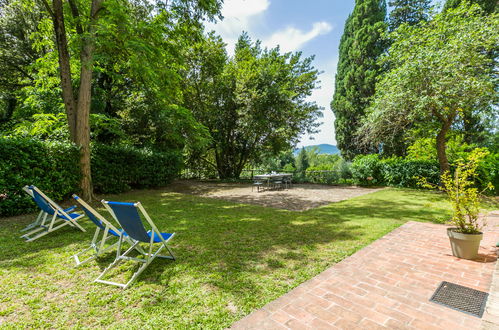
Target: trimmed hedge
pixel 119 168
pixel 400 172
pixel 53 167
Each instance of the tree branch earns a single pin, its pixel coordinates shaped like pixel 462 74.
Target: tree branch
pixel 47 6
pixel 76 16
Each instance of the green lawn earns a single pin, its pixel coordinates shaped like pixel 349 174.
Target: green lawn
pixel 231 260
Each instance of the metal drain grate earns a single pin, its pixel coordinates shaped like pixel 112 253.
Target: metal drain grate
pixel 461 298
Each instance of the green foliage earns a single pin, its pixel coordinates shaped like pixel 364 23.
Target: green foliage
pixel 408 11
pixel 49 126
pixel 440 71
pixel 302 162
pixel 51 166
pixel 488 172
pixel 489 6
pixel 360 46
pixel 253 104
pixel 425 149
pixel 366 169
pixel 395 171
pixel 400 172
pixel 463 193
pixel 119 168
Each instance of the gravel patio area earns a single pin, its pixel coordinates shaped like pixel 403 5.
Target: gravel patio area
pixel 299 197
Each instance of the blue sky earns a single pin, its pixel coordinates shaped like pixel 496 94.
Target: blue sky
pixel 313 27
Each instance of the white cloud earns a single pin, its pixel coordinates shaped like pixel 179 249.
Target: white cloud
pixel 239 16
pixel 323 97
pixel 291 38
pixel 244 8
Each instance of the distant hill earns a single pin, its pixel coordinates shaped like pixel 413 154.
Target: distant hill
pixel 323 149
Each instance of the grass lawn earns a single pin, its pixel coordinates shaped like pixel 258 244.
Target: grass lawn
pixel 231 259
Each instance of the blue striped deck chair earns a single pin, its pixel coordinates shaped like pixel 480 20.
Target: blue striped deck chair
pixel 109 231
pixel 51 216
pixel 127 215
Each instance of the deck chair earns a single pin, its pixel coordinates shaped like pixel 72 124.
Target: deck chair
pixel 108 232
pixel 42 216
pixel 128 217
pixel 59 217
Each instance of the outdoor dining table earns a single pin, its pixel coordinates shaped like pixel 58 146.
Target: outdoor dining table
pixel 270 176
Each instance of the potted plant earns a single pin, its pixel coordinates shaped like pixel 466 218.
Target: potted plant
pixel 464 196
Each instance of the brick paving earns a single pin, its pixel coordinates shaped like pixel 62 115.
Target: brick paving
pixel 388 284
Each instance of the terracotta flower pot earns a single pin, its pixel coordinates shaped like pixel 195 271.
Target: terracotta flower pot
pixel 464 246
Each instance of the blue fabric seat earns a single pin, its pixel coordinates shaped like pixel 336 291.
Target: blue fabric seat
pixel 48 207
pixel 127 215
pixel 157 239
pixel 98 245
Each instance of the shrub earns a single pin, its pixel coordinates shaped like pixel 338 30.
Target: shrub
pixel 462 192
pixel 119 168
pixel 54 168
pixel 366 169
pixel 402 172
pixel 51 166
pixel 488 171
pixel 321 176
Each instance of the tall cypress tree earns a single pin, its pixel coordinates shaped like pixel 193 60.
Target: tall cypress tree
pixel 360 47
pixel 408 11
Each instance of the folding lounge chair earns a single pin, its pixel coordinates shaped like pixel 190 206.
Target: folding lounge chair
pixel 109 231
pixel 42 216
pixel 60 217
pixel 128 217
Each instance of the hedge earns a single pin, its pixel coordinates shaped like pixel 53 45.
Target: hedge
pixel 401 172
pixel 53 167
pixel 119 168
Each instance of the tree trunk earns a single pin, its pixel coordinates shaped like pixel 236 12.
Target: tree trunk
pixel 441 146
pixel 64 66
pixel 84 102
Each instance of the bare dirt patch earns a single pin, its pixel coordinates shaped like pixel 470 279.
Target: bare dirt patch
pixel 299 197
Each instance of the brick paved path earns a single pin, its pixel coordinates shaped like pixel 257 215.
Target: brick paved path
pixel 387 284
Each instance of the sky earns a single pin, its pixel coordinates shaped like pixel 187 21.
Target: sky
pixel 313 27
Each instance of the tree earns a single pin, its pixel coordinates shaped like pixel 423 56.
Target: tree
pixel 253 103
pixel 17 52
pixel 408 11
pixel 475 127
pixel 440 71
pixel 302 162
pixel 88 23
pixel 488 6
pixel 360 46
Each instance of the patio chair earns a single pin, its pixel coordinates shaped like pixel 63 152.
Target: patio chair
pixel 277 182
pixel 258 184
pixel 60 217
pixel 108 231
pixel 42 216
pixel 128 217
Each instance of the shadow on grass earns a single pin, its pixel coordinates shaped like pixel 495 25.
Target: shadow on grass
pixel 239 253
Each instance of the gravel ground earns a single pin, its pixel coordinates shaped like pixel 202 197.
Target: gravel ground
pixel 299 197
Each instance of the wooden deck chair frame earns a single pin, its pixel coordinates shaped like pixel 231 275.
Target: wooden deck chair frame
pixel 60 218
pixel 148 256
pixel 98 244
